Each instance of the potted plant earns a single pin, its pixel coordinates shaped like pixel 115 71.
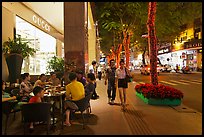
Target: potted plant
pixel 15 50
pixel 57 65
pixel 159 94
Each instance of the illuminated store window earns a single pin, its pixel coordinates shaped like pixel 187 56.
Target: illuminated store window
pixel 44 43
pixel 62 50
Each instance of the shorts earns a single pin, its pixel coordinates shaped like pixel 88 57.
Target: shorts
pixel 70 105
pixel 122 83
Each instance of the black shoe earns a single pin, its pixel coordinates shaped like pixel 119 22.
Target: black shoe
pixel 93 97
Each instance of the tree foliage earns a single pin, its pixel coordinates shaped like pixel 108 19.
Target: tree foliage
pixel 170 16
pixel 55 64
pixel 18 45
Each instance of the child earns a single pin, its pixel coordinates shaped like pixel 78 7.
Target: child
pixel 38 94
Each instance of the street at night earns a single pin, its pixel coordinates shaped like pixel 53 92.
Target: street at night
pixel 102 68
pixel 189 84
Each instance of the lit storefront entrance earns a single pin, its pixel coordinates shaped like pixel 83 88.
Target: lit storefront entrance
pixel 190 57
pixel 43 42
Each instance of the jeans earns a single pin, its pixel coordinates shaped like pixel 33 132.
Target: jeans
pixel 111 87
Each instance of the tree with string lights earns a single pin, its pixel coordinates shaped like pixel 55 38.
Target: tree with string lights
pixel 128 18
pixel 152 42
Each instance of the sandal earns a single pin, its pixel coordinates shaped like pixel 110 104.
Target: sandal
pixel 67 124
pixel 123 106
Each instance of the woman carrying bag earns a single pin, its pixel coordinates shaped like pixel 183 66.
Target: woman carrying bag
pixel 121 74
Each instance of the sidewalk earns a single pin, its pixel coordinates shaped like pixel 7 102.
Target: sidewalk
pixel 141 118
pixel 138 119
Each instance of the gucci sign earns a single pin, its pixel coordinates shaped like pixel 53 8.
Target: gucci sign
pixel 41 23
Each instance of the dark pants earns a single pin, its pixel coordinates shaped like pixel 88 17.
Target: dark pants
pixel 99 75
pixel 94 92
pixel 111 87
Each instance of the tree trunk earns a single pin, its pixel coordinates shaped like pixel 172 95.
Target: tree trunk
pixel 118 54
pixel 143 56
pixel 126 43
pixel 127 53
pixel 152 42
pixel 108 59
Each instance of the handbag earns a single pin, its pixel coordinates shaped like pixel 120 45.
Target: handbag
pixel 127 77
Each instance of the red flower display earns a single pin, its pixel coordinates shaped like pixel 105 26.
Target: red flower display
pixel 158 91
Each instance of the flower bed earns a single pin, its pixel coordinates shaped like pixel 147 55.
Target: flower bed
pixel 158 95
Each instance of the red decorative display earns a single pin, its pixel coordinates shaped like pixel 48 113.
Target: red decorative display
pixel 159 91
pixel 152 42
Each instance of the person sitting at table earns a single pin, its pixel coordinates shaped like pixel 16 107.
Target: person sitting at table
pixel 54 80
pixel 80 77
pixel 25 87
pixel 10 98
pixel 38 95
pixel 90 87
pixel 6 96
pixel 41 81
pixel 74 92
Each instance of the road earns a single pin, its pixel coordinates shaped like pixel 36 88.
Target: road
pixel 189 84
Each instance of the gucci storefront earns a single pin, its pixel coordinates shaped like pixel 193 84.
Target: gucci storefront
pixel 21 20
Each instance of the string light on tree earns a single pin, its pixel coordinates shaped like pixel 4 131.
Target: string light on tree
pixel 152 42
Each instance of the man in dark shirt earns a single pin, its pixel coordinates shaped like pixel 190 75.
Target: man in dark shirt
pixel 80 77
pixel 110 76
pixel 90 87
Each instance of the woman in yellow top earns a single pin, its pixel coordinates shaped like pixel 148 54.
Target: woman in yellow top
pixel 74 91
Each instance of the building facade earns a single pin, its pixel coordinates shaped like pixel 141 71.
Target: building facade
pixel 24 19
pixel 186 49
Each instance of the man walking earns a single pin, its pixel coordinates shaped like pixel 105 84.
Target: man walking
pixel 110 76
pixel 92 69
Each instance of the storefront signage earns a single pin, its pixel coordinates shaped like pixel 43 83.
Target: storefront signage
pixel 164 45
pixel 164 50
pixel 193 44
pixel 41 23
pixel 183 55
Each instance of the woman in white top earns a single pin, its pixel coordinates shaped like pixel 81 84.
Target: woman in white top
pixel 122 83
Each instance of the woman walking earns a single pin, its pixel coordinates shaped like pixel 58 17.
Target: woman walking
pixel 121 73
